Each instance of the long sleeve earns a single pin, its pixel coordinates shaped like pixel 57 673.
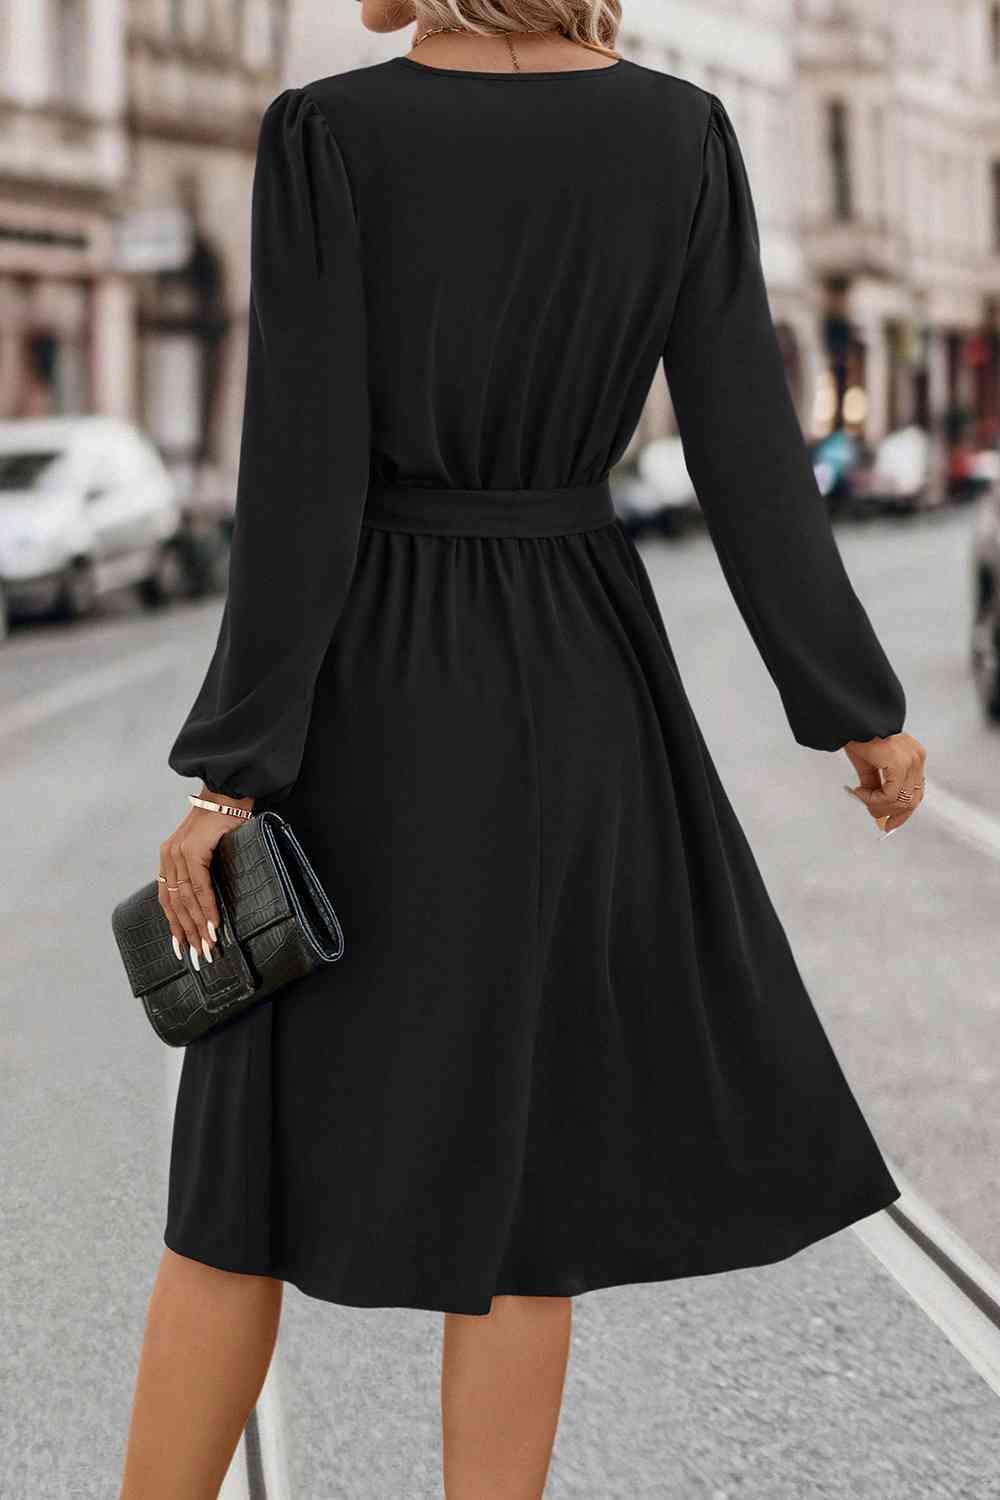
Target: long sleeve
pixel 753 476
pixel 304 463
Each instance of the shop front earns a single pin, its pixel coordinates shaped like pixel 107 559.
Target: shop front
pixel 54 345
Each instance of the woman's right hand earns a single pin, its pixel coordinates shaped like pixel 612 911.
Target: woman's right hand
pixel 891 777
pixel 186 893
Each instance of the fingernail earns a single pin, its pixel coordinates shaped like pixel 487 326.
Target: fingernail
pixel 194 958
pixel 211 932
pixel 207 950
pixel 177 949
pixel 849 790
pixel 889 833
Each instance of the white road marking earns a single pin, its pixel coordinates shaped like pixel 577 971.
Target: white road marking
pixel 967 822
pixel 271 1435
pixel 89 687
pixel 955 1301
pixel 962 1299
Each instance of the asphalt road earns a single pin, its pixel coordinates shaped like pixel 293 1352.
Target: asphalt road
pixel 813 1378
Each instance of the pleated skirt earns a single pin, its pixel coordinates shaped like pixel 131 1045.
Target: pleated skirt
pixel 568 1046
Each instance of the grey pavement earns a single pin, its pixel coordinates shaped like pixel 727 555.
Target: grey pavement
pixel 815 1377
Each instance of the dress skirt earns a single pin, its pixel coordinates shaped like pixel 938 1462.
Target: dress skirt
pixel 567 1046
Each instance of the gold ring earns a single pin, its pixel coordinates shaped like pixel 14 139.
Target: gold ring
pixel 162 879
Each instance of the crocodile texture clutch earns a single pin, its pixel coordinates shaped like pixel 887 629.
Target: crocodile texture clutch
pixel 277 924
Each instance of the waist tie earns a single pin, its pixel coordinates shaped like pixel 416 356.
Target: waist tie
pixel 489 513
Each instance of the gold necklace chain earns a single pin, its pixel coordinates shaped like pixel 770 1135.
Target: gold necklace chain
pixel 437 30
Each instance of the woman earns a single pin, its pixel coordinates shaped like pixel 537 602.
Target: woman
pixel 568 1045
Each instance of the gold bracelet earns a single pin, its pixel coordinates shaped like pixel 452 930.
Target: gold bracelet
pixel 220 807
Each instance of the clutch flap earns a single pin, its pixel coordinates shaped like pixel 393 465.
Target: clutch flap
pixel 158 977
pixel 143 936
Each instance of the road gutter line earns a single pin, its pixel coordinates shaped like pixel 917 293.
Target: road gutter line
pixel 89 687
pixel 948 1280
pixel 259 1470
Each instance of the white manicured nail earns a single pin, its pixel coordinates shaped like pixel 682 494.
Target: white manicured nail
pixel 194 958
pixel 211 932
pixel 207 950
pixel 177 949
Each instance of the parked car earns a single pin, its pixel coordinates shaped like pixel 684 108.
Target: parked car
pixel 897 476
pixel 986 601
pixel 972 471
pixel 86 505
pixel 657 495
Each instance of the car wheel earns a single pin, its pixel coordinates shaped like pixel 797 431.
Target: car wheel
pixel 986 649
pixel 169 580
pixel 219 580
pixel 670 523
pixel 78 591
pixel 208 564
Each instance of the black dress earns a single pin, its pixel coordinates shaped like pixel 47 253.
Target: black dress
pixel 568 1045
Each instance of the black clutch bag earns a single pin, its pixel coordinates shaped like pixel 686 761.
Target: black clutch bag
pixel 277 924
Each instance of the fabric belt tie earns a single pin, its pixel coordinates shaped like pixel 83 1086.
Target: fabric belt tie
pixel 489 513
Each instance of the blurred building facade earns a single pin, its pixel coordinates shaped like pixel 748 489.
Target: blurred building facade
pixel 126 160
pixel 63 161
pixel 872 137
pixel 200 73
pixel 744 53
pixel 899 112
pixel 871 132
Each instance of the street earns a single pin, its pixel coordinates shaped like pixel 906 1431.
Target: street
pixel 816 1377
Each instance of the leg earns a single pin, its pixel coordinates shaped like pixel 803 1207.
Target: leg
pixel 209 1339
pixel 502 1379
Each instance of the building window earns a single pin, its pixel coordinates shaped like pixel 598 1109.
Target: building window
pixel 70 60
pixel 840 159
pixel 996 207
pixel 878 147
pixel 279 24
pixel 257 21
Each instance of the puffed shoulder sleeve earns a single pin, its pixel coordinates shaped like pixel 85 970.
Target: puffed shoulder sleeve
pixel 753 475
pixel 304 463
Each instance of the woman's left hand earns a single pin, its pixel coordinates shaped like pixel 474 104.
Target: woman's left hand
pixel 186 893
pixel 890 777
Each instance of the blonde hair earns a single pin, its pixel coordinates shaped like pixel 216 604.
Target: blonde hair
pixel 592 23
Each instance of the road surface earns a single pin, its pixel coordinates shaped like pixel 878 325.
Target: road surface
pixel 813 1378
